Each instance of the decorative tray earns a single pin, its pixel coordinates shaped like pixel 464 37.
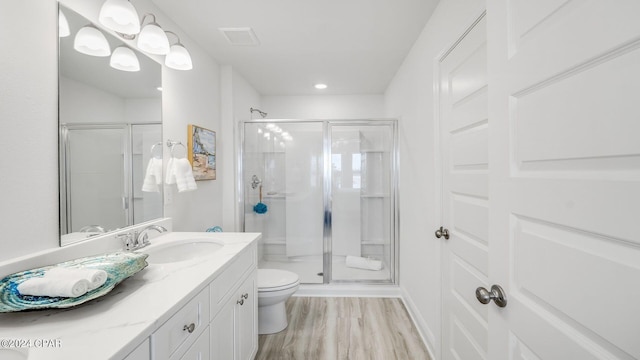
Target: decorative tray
pixel 118 266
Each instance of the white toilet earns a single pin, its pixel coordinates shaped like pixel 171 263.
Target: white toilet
pixel 274 288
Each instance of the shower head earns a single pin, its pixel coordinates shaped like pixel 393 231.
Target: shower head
pixel 262 113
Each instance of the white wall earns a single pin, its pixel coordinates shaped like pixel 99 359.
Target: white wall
pixel 29 123
pixel 238 97
pixel 324 107
pixel 410 98
pixel 28 127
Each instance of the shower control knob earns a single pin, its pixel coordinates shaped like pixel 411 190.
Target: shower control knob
pixel 442 232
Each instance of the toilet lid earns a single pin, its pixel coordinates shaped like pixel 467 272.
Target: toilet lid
pixel 273 279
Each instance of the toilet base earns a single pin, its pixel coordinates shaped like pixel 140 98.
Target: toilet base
pixel 272 318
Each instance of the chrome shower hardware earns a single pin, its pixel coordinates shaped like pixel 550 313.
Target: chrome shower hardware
pixel 255 181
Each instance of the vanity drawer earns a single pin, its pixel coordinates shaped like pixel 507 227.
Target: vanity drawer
pixel 224 285
pixel 181 328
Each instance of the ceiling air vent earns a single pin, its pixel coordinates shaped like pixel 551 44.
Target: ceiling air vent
pixel 240 36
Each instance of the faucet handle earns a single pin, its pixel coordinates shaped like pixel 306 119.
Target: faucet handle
pixel 128 241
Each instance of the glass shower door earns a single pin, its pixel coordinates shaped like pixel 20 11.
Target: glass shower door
pixel 363 220
pixel 282 172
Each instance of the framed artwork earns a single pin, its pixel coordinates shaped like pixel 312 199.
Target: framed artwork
pixel 202 152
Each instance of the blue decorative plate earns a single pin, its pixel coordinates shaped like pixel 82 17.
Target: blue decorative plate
pixel 118 266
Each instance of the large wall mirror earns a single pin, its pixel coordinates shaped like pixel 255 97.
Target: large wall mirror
pixel 110 138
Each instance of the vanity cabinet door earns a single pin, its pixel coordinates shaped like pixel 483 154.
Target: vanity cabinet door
pixel 200 349
pixel 247 319
pixel 234 330
pixel 223 330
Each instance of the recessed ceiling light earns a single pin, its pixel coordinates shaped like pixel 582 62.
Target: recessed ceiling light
pixel 320 86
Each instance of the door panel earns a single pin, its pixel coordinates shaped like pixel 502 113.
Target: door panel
pixel 464 145
pixel 564 189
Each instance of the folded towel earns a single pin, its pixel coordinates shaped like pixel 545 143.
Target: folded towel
pixel 95 277
pixel 184 175
pixel 54 287
pixel 363 263
pixel 171 172
pixel 153 176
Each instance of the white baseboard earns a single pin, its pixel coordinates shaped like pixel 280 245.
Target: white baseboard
pixel 427 336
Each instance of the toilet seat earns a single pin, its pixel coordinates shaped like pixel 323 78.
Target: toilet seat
pixel 276 280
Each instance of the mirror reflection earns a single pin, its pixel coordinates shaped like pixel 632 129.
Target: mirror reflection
pixel 110 134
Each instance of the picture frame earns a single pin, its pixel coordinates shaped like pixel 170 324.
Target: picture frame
pixel 201 145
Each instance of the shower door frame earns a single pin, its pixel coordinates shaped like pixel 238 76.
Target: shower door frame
pixel 327 192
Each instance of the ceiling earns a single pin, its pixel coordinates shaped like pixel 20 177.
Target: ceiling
pixel 353 46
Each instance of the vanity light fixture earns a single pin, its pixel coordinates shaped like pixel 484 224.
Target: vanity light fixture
pixel 320 86
pixel 120 16
pixel 178 57
pixel 124 59
pixel 91 41
pixel 63 25
pixel 152 39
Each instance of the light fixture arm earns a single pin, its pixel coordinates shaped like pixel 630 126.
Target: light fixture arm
pixel 145 16
pixel 176 35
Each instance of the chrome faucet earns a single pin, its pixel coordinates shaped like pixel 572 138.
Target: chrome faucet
pixel 138 240
pixel 142 238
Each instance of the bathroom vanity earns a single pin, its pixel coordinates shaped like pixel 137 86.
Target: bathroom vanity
pixel 192 302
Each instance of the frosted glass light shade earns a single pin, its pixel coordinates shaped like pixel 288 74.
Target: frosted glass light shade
pixel 91 41
pixel 178 58
pixel 124 59
pixel 153 40
pixel 63 25
pixel 120 16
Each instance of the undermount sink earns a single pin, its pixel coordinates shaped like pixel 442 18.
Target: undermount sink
pixel 181 251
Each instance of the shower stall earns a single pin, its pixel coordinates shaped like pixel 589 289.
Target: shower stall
pixel 324 195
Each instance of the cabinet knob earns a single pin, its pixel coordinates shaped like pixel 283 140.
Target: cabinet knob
pixel 245 296
pixel 189 328
pixel 241 301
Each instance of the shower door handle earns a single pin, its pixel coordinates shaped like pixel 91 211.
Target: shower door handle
pixel 442 232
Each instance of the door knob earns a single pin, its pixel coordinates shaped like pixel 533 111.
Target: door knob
pixel 442 232
pixel 496 294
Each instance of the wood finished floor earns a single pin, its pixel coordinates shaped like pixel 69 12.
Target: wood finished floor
pixel 344 328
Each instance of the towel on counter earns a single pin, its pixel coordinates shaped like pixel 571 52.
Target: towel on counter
pixel 363 263
pixel 153 176
pixel 95 277
pixel 54 287
pixel 179 172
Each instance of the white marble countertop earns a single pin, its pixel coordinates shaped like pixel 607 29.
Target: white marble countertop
pixel 112 326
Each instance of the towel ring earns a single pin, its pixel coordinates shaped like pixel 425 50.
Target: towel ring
pixel 153 147
pixel 172 145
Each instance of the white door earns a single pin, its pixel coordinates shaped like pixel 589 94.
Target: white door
pixel 564 179
pixel 464 135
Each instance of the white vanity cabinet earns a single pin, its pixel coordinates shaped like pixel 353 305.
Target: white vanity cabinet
pixel 234 310
pixel 220 322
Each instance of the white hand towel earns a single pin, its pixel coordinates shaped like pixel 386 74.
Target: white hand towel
pixel 153 176
pixel 184 175
pixel 363 263
pixel 54 287
pixel 95 277
pixel 171 172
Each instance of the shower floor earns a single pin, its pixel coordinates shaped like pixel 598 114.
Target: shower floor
pixel 308 268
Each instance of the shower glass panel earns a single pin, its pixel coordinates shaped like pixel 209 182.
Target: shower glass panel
pixel 330 191
pixel 95 170
pixel 362 220
pixel 146 142
pixel 283 169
